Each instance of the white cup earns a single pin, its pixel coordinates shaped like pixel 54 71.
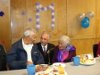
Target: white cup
pixel 89 56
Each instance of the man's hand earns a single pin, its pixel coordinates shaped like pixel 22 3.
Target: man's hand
pixel 29 62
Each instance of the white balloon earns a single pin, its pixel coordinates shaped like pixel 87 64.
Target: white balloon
pixel 90 14
pixel 82 15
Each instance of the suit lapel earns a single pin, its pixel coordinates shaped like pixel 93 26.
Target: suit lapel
pixel 48 47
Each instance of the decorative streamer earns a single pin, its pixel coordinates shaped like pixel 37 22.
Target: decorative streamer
pixel 40 8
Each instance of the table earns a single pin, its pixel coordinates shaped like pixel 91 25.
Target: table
pixel 70 69
pixel 83 69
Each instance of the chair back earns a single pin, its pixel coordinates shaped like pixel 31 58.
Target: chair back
pixel 95 48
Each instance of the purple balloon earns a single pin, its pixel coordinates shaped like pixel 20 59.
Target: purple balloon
pixel 1 13
pixel 30 19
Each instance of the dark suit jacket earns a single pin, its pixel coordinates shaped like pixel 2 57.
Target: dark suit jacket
pixel 2 59
pixel 17 57
pixel 48 55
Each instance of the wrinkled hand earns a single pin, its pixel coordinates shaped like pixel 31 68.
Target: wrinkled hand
pixel 29 62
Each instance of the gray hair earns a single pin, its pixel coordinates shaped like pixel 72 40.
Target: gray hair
pixel 65 40
pixel 29 32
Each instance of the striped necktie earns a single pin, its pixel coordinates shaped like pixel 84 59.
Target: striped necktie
pixel 44 49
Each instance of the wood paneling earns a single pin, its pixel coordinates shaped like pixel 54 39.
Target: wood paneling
pixel 83 46
pixel 18 18
pixel 66 21
pixel 29 7
pixel 98 19
pixel 82 38
pixel 74 9
pixel 5 30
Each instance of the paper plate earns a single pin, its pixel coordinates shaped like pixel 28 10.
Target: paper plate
pixel 88 62
pixel 42 73
pixel 55 69
pixel 59 64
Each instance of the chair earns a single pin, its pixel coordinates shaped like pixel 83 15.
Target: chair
pixel 95 47
pixel 2 58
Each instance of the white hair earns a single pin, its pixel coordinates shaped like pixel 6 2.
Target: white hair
pixel 65 40
pixel 29 32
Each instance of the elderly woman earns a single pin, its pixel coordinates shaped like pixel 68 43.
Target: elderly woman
pixel 64 51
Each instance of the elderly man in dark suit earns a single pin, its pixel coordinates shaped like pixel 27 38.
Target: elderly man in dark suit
pixel 45 47
pixel 24 52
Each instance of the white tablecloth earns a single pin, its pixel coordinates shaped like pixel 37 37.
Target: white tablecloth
pixel 70 69
pixel 83 69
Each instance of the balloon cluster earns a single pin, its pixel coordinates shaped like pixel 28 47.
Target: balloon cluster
pixel 39 9
pixel 85 19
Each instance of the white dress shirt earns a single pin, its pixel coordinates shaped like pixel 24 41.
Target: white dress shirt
pixel 28 49
pixel 44 48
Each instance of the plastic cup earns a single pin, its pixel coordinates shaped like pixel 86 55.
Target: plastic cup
pixel 76 60
pixel 31 69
